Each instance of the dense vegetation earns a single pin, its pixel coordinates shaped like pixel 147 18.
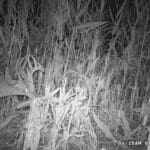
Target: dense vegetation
pixel 74 74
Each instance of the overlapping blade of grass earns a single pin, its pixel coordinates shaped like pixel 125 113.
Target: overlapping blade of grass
pixel 95 62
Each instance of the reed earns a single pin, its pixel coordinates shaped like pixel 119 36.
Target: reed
pixel 77 72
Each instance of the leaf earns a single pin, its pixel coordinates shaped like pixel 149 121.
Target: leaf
pixel 104 128
pixel 91 25
pixel 83 10
pixel 127 129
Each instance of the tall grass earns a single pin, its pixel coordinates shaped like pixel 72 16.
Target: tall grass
pixel 82 68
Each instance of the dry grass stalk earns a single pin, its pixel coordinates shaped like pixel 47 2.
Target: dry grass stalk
pixel 81 68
